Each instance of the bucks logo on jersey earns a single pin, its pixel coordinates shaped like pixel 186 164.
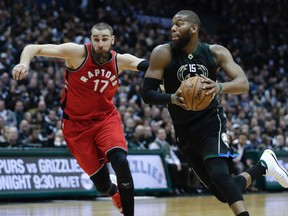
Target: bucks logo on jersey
pixel 189 70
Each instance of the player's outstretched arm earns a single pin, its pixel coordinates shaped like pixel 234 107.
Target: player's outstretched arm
pixel 67 51
pixel 130 62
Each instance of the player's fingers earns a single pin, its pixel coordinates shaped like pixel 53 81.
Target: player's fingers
pixel 181 99
pixel 178 92
pixel 19 71
pixel 204 77
pixel 211 89
pixel 25 74
pixel 14 73
pixel 213 96
pixel 184 106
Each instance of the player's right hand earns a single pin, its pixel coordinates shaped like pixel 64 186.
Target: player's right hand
pixel 177 99
pixel 20 71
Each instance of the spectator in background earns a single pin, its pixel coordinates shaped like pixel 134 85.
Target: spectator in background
pixel 42 109
pixel 174 163
pixel 285 148
pixel 4 66
pixel 24 131
pixel 236 129
pixel 254 136
pixel 13 137
pixel 19 111
pixel 8 115
pixel 49 127
pixel 148 135
pixel 129 126
pixel 278 142
pixel 266 142
pixel 241 163
pixel 4 137
pixel 52 94
pixel 59 139
pixel 5 86
pixel 138 141
pixel 2 124
pixel 4 130
pixel 35 136
pixel 33 90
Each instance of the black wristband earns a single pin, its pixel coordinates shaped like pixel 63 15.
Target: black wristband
pixel 151 95
pixel 143 65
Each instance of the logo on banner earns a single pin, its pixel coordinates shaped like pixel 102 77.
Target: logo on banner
pixel 86 182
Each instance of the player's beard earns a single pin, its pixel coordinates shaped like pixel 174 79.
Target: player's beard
pixel 101 57
pixel 181 42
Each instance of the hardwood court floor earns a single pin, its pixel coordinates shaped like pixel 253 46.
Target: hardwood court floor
pixel 264 204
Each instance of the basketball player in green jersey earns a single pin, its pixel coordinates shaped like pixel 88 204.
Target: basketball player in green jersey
pixel 201 135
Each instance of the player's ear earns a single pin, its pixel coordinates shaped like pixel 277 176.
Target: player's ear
pixel 194 28
pixel 113 39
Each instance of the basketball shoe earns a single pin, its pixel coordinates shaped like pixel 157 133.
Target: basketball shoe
pixel 269 160
pixel 116 199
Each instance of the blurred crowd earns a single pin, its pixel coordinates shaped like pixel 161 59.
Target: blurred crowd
pixel 256 33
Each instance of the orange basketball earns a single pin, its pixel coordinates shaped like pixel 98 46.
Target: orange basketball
pixel 194 95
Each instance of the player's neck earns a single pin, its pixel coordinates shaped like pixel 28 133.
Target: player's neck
pixel 191 47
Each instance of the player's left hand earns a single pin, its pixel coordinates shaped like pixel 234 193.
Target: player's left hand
pixel 211 86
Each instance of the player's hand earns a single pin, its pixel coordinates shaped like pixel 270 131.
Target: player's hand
pixel 20 71
pixel 178 100
pixel 211 86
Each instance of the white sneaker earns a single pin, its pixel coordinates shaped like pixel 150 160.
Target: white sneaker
pixel 269 160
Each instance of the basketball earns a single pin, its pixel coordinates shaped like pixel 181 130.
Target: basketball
pixel 194 95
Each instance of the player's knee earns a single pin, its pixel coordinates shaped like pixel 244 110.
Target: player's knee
pixel 217 194
pixel 101 180
pixel 101 184
pixel 226 186
pixel 219 178
pixel 220 197
pixel 120 165
pixel 118 161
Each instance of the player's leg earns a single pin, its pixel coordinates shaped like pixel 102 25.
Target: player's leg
pixel 80 138
pixel 267 165
pixel 111 141
pixel 218 170
pixel 199 168
pixel 119 162
pixel 102 182
pixel 105 185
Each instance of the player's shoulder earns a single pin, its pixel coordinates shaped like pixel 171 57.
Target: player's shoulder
pixel 217 49
pixel 163 47
pixel 162 50
pixel 220 53
pixel 73 45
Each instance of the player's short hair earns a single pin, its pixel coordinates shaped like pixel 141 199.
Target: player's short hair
pixel 102 26
pixel 191 17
